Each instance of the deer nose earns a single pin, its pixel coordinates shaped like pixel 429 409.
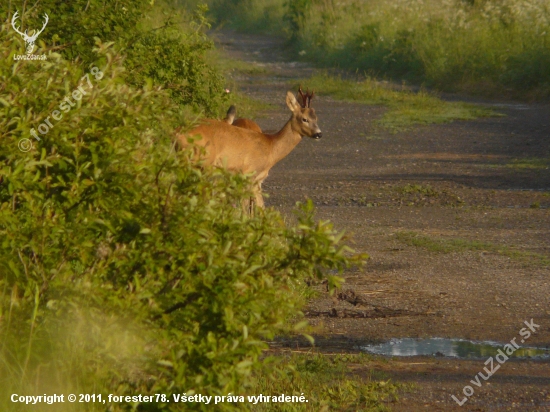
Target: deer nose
pixel 318 135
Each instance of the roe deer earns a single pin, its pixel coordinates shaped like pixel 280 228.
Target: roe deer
pixel 244 123
pixel 248 151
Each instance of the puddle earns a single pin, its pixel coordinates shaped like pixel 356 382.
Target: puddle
pixel 456 348
pixel 511 106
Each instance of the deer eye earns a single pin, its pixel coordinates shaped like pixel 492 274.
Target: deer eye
pixel 305 120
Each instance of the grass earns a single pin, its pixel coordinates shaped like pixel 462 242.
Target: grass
pixel 463 245
pixel 111 346
pixel 529 163
pixel 406 108
pixel 480 47
pixel 247 107
pixel 522 164
pixel 63 356
pixel 229 66
pixel 418 189
pixel 327 381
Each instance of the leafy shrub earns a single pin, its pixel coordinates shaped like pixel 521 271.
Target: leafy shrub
pixel 175 59
pixel 124 267
pixel 295 16
pixel 367 37
pixel 259 16
pixel 74 25
pixel 490 47
pixel 162 46
pixel 330 383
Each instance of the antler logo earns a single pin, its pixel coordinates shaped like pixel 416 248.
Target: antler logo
pixel 29 40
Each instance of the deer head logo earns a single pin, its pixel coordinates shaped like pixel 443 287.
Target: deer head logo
pixel 29 40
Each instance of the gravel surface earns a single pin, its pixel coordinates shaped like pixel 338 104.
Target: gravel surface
pixel 461 180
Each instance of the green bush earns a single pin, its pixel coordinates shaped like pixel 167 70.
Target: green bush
pixel 295 16
pixel 74 25
pixel 490 47
pixel 331 384
pixel 175 59
pixel 124 267
pixel 251 14
pixel 163 46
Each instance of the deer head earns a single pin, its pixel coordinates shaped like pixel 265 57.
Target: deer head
pixel 304 119
pixel 29 40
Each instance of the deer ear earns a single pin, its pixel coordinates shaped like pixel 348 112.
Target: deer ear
pixel 291 102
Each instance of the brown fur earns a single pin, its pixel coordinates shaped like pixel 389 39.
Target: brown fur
pixel 247 124
pixel 247 151
pixel 244 123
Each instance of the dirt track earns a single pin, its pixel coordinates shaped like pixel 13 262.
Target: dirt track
pixel 443 182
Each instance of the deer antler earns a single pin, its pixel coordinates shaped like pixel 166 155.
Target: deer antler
pixel 310 97
pixel 36 34
pixel 304 101
pixel 15 16
pixel 306 98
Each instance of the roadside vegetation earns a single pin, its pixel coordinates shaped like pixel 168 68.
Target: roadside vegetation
pixel 530 164
pixel 232 71
pixel 125 268
pixel 332 382
pixel 406 108
pixel 488 47
pixel 445 245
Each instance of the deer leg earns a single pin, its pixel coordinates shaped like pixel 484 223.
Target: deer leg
pixel 258 198
pixel 255 200
pixel 248 205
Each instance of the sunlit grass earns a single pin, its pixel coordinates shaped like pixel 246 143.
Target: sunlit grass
pixel 481 47
pixel 406 108
pixel 530 163
pixel 329 383
pixel 523 164
pixel 88 357
pixel 247 107
pixel 86 353
pixel 229 66
pixel 427 191
pixel 441 245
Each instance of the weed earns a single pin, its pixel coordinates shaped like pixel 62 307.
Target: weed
pixel 246 106
pixel 481 47
pixel 328 383
pixel 229 66
pixel 415 194
pixel 463 245
pixel 423 190
pixel 529 164
pixel 405 107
